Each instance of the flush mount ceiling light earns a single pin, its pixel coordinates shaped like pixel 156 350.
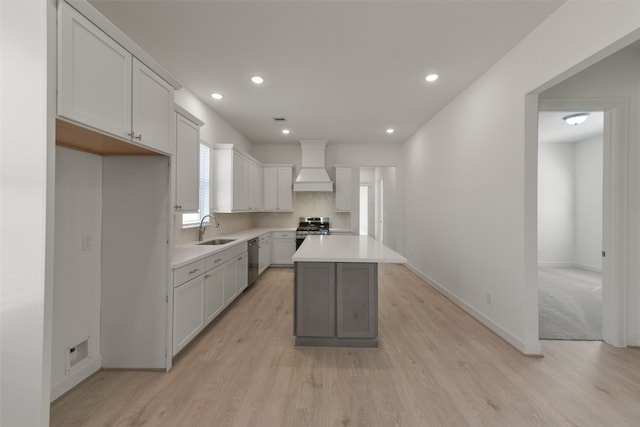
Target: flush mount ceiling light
pixel 390 130
pixel 431 78
pixel 217 96
pixel 575 119
pixel 286 131
pixel 257 80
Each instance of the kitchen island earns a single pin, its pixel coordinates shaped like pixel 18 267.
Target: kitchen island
pixel 336 290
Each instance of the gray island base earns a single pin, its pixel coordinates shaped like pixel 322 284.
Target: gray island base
pixel 336 304
pixel 336 291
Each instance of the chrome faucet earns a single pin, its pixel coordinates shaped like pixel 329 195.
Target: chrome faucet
pixel 201 229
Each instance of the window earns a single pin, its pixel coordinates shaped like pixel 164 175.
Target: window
pixel 205 193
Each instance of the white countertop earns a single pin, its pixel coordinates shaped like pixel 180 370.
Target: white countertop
pixel 189 252
pixel 346 249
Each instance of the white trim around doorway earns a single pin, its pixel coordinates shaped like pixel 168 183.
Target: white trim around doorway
pixel 615 225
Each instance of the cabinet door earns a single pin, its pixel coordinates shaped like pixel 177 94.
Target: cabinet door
pixel 283 250
pixel 152 109
pixel 242 268
pixel 285 182
pixel 264 255
pixel 188 312
pixel 187 161
pixel 357 300
pixel 230 282
pixel 270 188
pixel 343 189
pixel 255 186
pixel 315 296
pixel 240 183
pixel 213 293
pixel 94 76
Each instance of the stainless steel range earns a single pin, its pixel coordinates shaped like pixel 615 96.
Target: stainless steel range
pixel 311 225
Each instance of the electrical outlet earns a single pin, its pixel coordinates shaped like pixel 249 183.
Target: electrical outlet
pixel 86 242
pixel 489 298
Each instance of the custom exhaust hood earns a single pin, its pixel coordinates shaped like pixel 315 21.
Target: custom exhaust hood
pixel 313 175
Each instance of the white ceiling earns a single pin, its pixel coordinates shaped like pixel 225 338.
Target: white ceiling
pixel 338 70
pixel 552 129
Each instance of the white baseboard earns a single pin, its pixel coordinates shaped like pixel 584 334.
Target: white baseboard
pixel 589 268
pixel 533 349
pixel 556 264
pixel 570 264
pixel 633 341
pixel 83 372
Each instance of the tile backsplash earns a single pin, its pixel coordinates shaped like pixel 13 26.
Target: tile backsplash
pixel 304 204
pixel 229 223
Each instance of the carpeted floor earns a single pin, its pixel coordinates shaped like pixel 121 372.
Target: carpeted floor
pixel 569 303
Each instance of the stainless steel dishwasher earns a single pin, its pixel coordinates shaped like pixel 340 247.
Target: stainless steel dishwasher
pixel 253 260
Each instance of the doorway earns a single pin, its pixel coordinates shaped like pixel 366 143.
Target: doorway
pixel 378 203
pixel 570 224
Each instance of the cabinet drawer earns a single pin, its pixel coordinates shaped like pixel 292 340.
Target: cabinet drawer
pixel 188 272
pixel 221 257
pixel 284 234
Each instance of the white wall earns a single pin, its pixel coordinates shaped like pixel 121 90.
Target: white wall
pixel 473 216
pixel 77 269
pixel 589 162
pixel 27 108
pixel 570 204
pixel 556 204
pixel 618 77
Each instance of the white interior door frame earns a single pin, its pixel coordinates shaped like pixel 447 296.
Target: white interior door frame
pixel 615 227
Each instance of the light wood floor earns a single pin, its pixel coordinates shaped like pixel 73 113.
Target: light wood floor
pixel 436 366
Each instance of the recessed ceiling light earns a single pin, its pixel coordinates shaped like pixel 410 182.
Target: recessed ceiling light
pixel 217 95
pixel 390 130
pixel 576 119
pixel 286 131
pixel 257 80
pixel 432 77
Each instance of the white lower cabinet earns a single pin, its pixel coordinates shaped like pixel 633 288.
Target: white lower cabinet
pixel 283 246
pixel 203 289
pixel 264 252
pixel 188 313
pixel 230 283
pixel 213 293
pixel 242 268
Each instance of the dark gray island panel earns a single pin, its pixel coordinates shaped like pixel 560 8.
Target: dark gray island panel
pixel 336 304
pixel 357 300
pixel 315 296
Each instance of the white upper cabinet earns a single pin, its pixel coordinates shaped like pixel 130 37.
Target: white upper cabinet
pixel 256 197
pixel 152 114
pixel 102 86
pixel 187 162
pixel 94 76
pixel 343 188
pixel 235 177
pixel 278 181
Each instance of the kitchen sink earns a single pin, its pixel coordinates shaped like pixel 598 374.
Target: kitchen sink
pixel 217 242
